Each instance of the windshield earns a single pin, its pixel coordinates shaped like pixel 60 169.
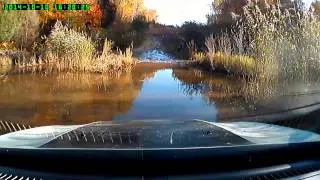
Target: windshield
pixel 169 73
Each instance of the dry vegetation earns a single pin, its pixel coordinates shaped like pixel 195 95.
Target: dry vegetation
pixel 272 45
pixel 71 50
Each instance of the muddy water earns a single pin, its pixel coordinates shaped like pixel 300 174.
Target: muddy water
pixel 150 91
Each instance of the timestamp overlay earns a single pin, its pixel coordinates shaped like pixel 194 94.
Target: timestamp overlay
pixel 46 7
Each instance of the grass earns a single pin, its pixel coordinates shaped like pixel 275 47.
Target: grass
pixel 272 50
pixel 199 56
pixel 271 46
pixel 109 60
pixel 236 64
pixel 286 51
pixel 226 54
pixel 70 50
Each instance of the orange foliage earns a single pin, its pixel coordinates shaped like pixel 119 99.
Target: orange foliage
pixel 128 10
pixel 77 18
pixel 149 15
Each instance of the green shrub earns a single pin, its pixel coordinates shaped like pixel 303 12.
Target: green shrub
pixel 192 31
pixel 10 25
pixel 29 31
pixel 123 36
pixel 69 47
pixel 20 27
pixel 139 24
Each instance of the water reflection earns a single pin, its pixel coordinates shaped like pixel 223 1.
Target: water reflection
pixel 160 98
pixel 48 98
pixel 149 91
pixel 67 98
pixel 225 92
pixel 239 97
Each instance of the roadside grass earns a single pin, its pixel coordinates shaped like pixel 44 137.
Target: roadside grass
pixel 269 46
pixel 241 65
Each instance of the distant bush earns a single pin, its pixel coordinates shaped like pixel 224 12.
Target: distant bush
pixel 139 24
pixel 124 35
pixel 192 31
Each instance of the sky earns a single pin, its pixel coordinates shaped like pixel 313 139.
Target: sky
pixel 175 12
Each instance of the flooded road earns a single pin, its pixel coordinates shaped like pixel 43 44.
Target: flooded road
pixel 150 91
pixel 161 97
pixel 38 99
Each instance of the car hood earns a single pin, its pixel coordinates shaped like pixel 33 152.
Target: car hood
pixel 155 134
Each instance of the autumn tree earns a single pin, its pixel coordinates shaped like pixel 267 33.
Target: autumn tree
pixel 109 9
pixel 149 15
pixel 74 18
pixel 227 11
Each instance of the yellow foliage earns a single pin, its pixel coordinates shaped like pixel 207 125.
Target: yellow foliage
pixel 199 56
pixel 149 15
pixel 237 64
pixel 234 63
pixel 127 10
pixel 7 45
